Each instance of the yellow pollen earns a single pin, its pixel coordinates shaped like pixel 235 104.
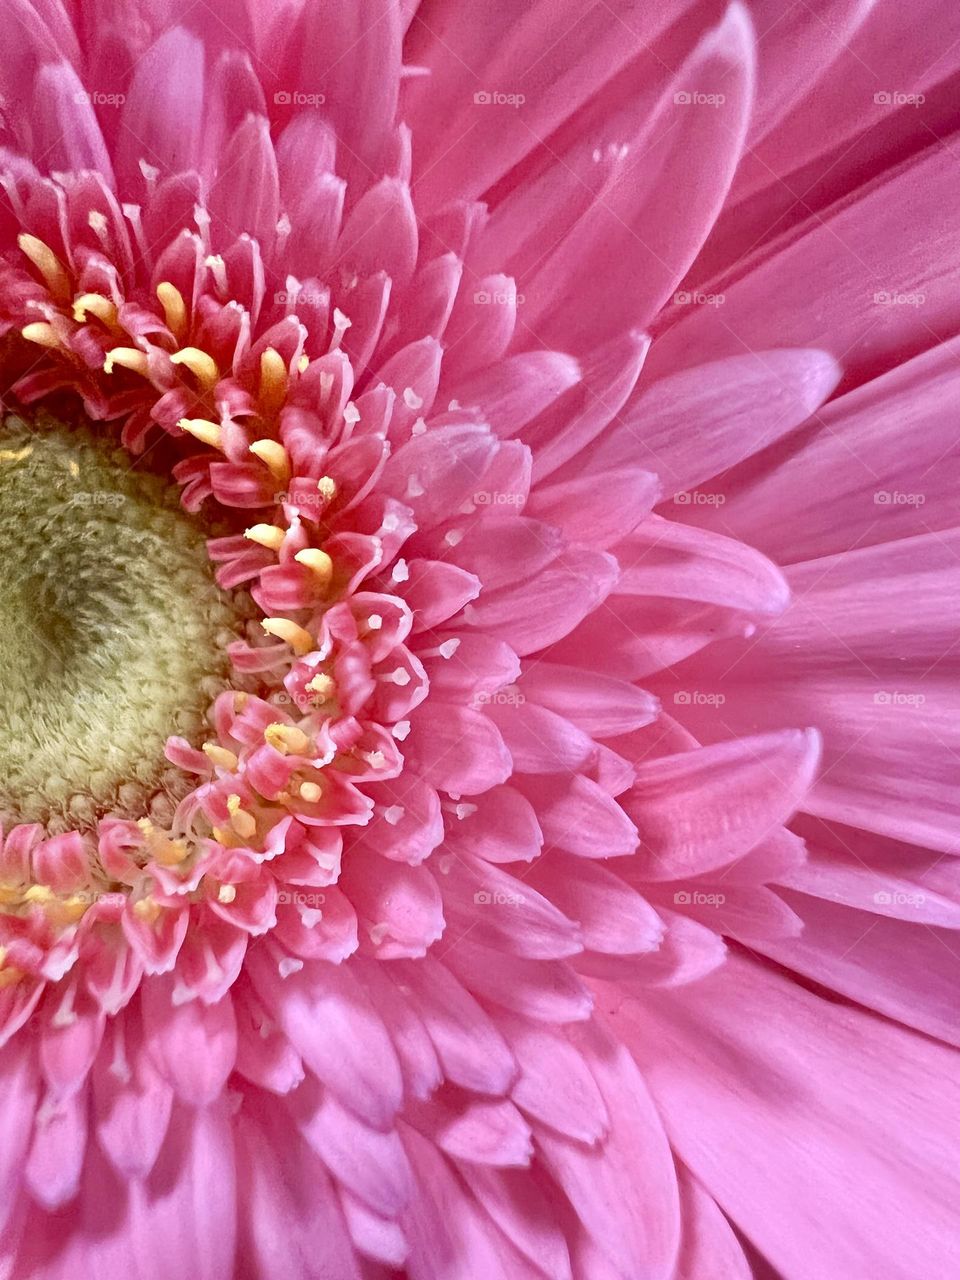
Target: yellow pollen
pixel 8 976
pixel 16 455
pixel 169 853
pixel 274 456
pixel 174 308
pixel 319 564
pixel 273 381
pixel 47 263
pixel 287 739
pixel 94 304
pixel 39 893
pixel 127 358
pixel 226 893
pixel 298 638
pixel 44 335
pixel 270 536
pixel 147 909
pixel 200 364
pixel 69 910
pixel 243 823
pixel 328 488
pixel 206 432
pixel 220 756
pixel 303 364
pixel 322 685
pixel 311 792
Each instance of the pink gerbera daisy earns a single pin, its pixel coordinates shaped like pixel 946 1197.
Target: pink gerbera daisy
pixel 478 770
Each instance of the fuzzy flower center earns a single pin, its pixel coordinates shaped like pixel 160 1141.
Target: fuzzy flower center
pixel 112 630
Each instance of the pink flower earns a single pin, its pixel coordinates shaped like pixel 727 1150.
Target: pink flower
pixel 531 856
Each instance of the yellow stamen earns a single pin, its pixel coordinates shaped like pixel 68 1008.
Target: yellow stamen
pixel 270 536
pixel 39 893
pixel 303 364
pixel 243 823
pixel 8 976
pixel 287 739
pixel 298 638
pixel 69 910
pixel 319 564
pixel 47 263
pixel 16 455
pixel 322 685
pixel 127 358
pixel 274 456
pixel 200 364
pixel 311 792
pixel 169 853
pixel 44 335
pixel 328 488
pixel 206 432
pixel 96 305
pixel 174 308
pixel 226 893
pixel 220 756
pixel 273 381
pixel 147 909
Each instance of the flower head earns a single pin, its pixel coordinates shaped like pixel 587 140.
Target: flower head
pixel 400 723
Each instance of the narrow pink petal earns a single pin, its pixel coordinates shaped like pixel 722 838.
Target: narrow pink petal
pixel 370 1163
pixel 624 1189
pixel 698 423
pixel 555 1085
pixel 699 810
pixel 471 1050
pixel 193 1045
pixel 709 1249
pixel 649 221
pixel 709 1073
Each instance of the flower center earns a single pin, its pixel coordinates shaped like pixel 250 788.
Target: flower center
pixel 112 630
